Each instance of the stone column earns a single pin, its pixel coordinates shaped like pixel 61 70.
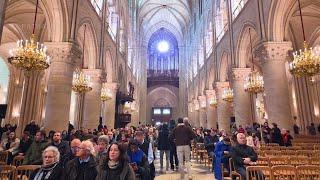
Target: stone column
pixel 241 99
pixel 202 111
pixel 3 5
pixel 196 120
pixel 273 58
pixel 224 109
pixel 63 55
pixel 30 106
pixel 92 100
pixel 211 111
pixel 110 106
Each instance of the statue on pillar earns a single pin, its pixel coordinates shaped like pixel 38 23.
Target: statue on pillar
pixel 131 89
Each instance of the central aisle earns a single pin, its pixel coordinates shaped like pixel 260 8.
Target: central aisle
pixel 199 171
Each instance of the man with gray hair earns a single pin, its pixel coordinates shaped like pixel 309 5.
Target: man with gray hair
pixel 243 155
pixel 84 166
pixel 103 144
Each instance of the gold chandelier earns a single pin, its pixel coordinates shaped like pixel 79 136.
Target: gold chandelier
pixel 29 55
pixel 213 101
pixel 227 95
pixel 306 62
pixel 254 81
pixel 81 82
pixel 105 94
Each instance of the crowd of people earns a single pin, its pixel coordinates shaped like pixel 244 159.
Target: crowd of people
pixel 129 153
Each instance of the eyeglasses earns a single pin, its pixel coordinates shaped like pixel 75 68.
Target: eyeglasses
pixel 48 157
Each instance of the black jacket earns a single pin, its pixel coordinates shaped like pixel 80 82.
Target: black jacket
pixel 63 148
pixel 55 171
pixel 87 171
pixel 163 140
pixel 122 172
pixel 240 151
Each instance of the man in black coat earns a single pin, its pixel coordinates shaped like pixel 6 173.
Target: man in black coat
pixel 84 166
pixel 163 146
pixel 243 155
pixel 62 146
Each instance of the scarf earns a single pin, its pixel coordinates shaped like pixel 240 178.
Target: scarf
pixel 113 164
pixel 45 171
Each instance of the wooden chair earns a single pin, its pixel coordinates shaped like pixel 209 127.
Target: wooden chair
pixel 258 172
pixel 283 172
pixel 263 161
pixel 272 144
pixel 17 161
pixel 308 172
pixel 289 152
pixel 299 160
pixel 4 157
pixel 233 172
pixel 314 161
pixel 278 161
pixel 7 172
pixel 307 153
pixel 24 172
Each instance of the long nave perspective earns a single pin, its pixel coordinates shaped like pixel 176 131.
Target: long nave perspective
pixel 159 89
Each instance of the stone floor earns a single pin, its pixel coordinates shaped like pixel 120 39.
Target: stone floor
pixel 198 170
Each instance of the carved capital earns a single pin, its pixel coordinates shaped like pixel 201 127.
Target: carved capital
pixel 240 74
pixel 222 85
pixel 64 52
pixel 273 51
pixel 95 74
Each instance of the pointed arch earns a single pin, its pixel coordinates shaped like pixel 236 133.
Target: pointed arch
pixel 91 45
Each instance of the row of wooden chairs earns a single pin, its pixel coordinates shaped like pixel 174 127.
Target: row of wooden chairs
pixel 284 160
pixel 303 172
pixel 275 172
pixel 17 173
pixel 17 160
pixel 307 153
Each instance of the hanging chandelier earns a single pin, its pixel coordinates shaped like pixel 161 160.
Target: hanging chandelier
pixel 227 95
pixel 306 62
pixel 213 101
pixel 81 82
pixel 105 94
pixel 254 81
pixel 29 55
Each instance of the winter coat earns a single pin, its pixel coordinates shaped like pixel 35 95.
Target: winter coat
pixel 74 168
pixel 240 151
pixel 182 134
pixel 34 153
pixel 220 157
pixel 163 140
pixel 53 172
pixel 63 148
pixel 122 172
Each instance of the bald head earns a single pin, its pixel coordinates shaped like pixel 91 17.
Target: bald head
pixel 74 145
pixel 241 138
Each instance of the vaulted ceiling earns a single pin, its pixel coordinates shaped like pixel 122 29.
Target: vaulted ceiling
pixel 173 15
